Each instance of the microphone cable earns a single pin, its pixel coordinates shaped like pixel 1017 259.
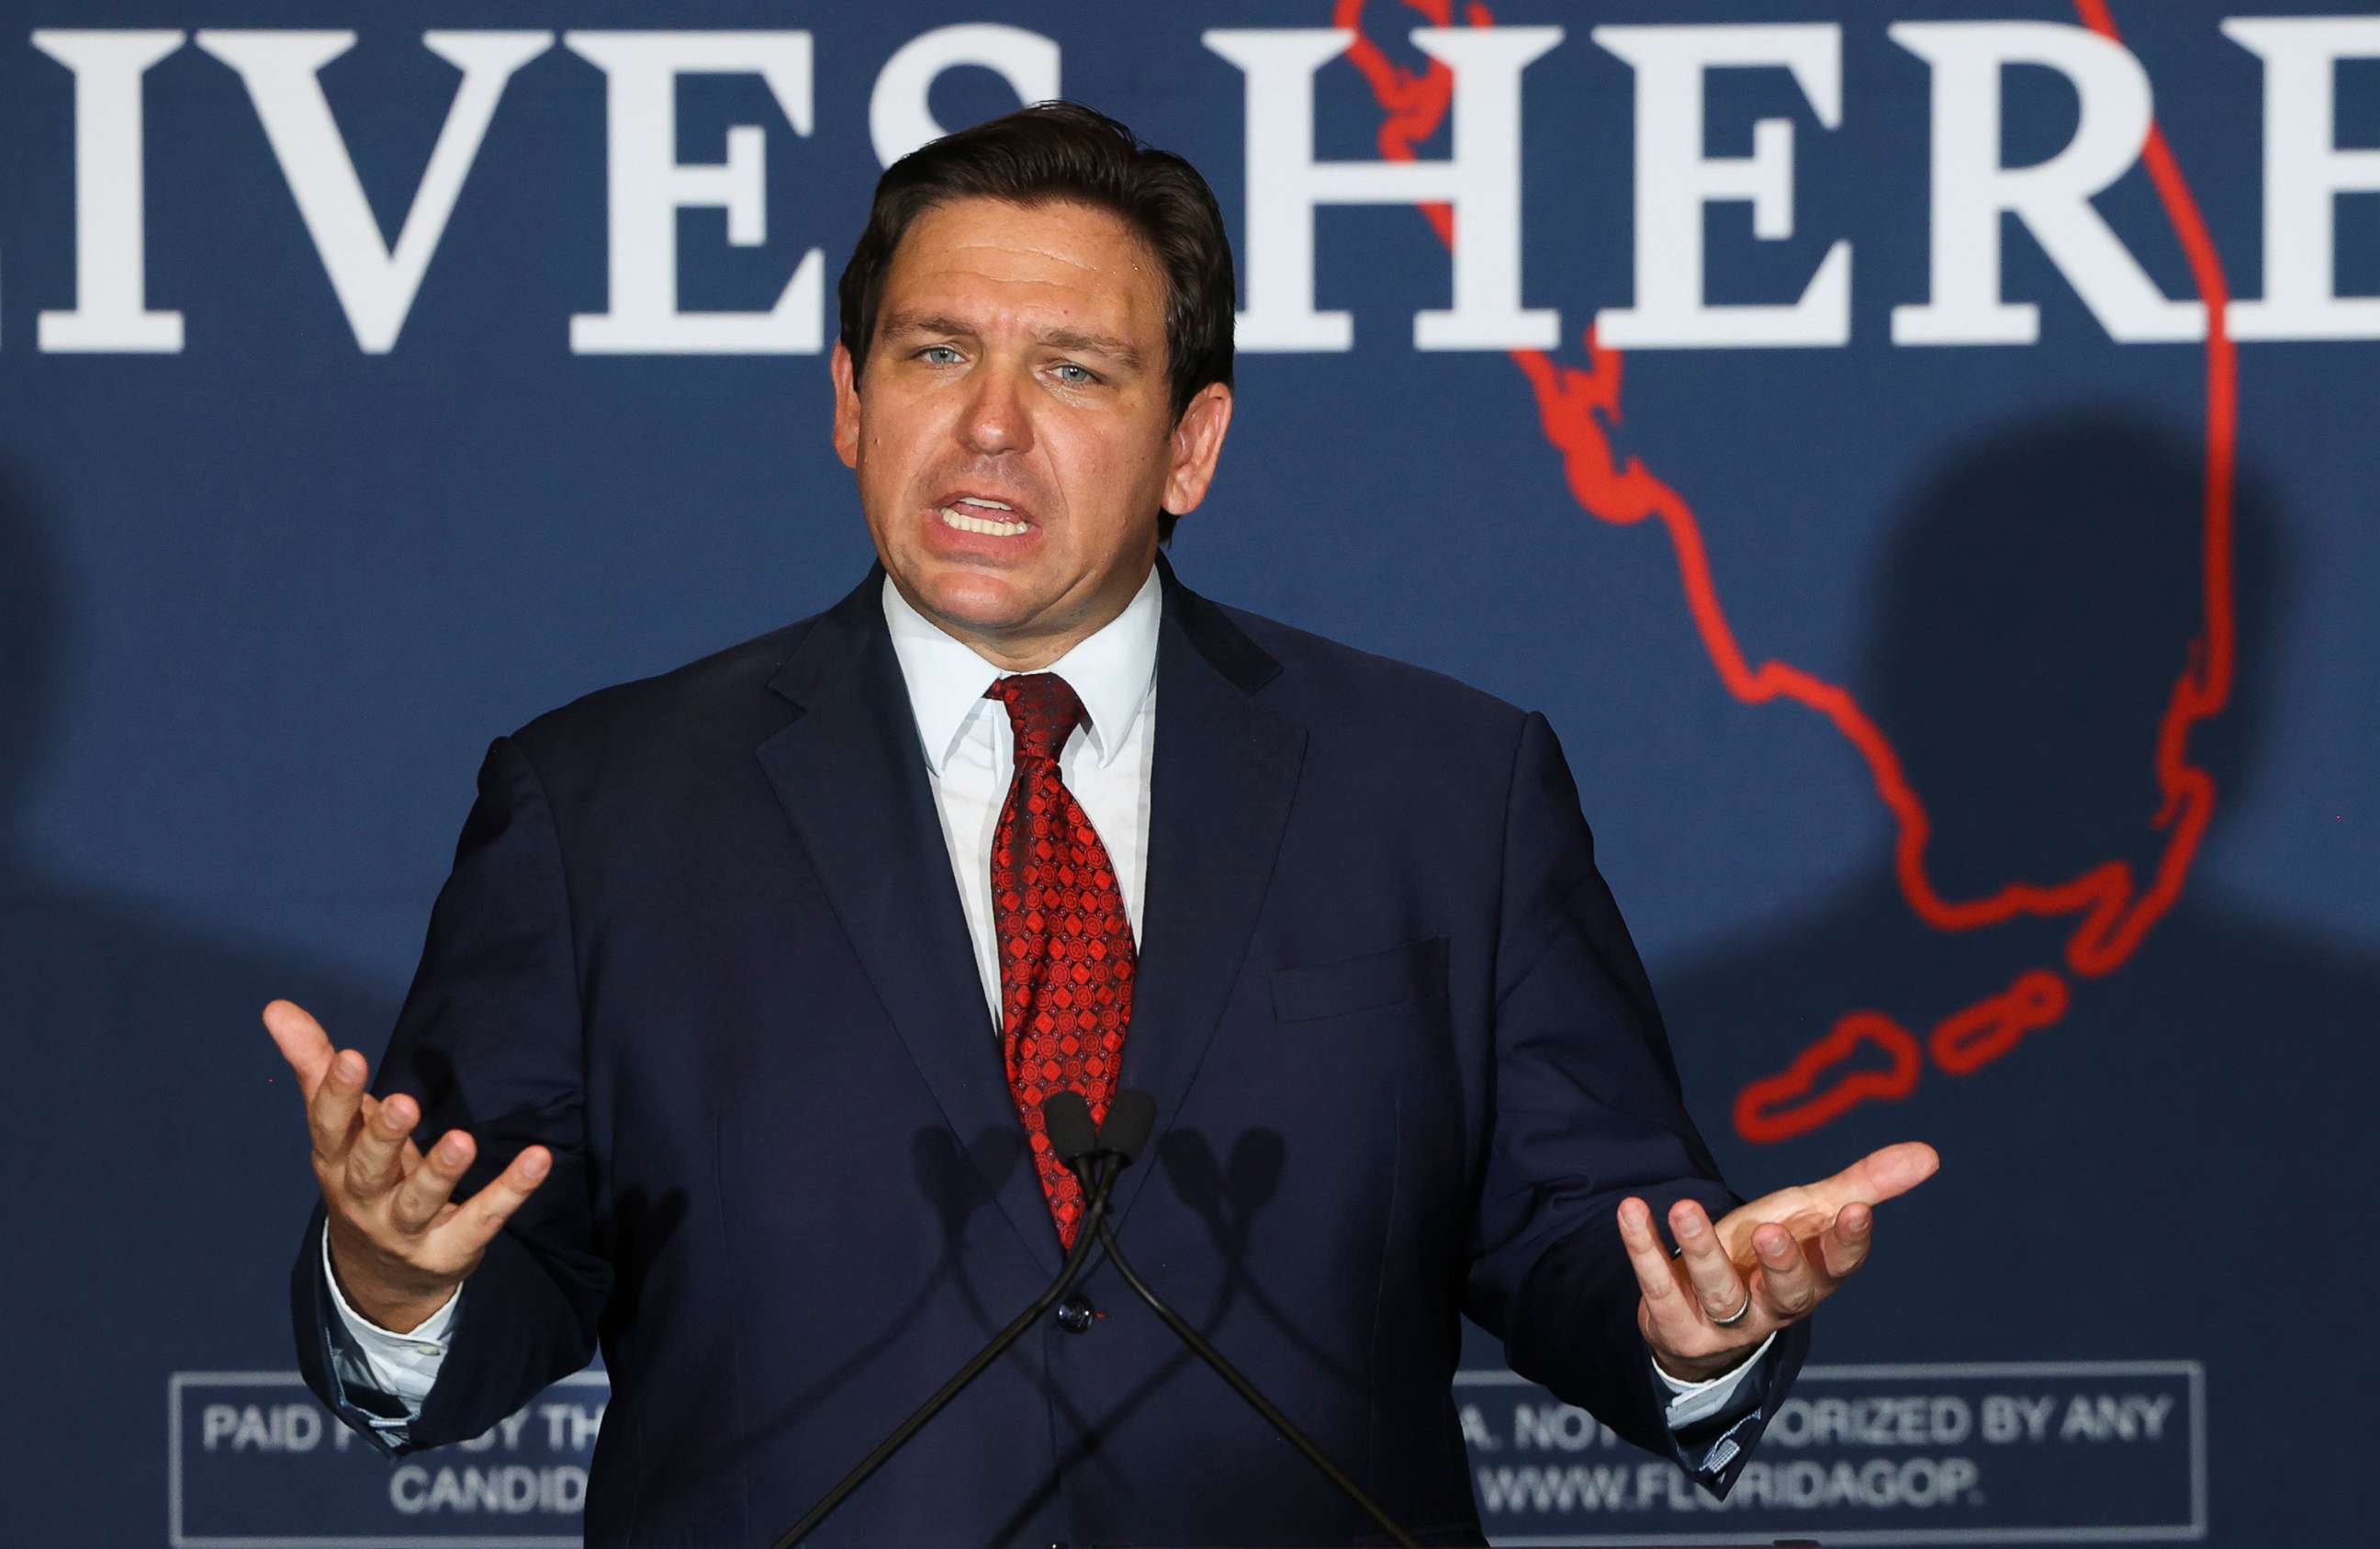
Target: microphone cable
pixel 1207 1352
pixel 1075 1140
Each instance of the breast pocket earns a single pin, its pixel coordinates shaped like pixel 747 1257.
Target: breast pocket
pixel 1409 971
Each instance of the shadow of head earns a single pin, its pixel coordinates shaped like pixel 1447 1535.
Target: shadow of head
pixel 2039 599
pixel 32 632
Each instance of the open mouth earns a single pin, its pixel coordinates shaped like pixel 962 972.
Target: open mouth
pixel 992 518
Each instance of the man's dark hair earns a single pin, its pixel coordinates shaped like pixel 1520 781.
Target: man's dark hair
pixel 1062 151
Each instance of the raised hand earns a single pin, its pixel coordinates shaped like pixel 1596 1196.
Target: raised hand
pixel 398 1245
pixel 1774 1259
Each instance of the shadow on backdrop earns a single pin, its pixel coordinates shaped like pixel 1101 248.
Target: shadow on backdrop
pixel 2168 1172
pixel 153 1223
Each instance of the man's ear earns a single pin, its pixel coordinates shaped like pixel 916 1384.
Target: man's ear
pixel 847 405
pixel 1196 443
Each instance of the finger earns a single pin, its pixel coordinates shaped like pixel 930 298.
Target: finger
pixel 1877 1177
pixel 302 1041
pixel 1844 1244
pixel 470 1229
pixel 327 1079
pixel 1720 1290
pixel 331 1111
pixel 1788 1284
pixel 372 1166
pixel 1674 1312
pixel 426 1187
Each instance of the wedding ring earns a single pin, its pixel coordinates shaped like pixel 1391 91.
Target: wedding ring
pixel 1737 1316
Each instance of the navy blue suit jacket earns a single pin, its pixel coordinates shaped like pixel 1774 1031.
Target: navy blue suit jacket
pixel 701 939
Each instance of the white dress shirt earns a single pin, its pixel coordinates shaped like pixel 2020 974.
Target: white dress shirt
pixel 970 758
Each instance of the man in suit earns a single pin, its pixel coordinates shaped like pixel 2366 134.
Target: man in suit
pixel 735 1012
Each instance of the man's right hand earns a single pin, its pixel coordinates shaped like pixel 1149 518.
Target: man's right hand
pixel 398 1246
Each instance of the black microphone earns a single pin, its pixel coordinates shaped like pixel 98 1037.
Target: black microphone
pixel 1143 1109
pixel 1073 1139
pixel 1067 1118
pixel 1109 1148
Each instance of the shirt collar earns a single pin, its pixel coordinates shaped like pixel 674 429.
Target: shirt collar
pixel 1110 670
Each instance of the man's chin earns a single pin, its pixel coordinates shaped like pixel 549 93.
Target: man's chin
pixel 961 597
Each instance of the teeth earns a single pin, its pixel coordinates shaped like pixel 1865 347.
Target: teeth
pixel 953 518
pixel 990 505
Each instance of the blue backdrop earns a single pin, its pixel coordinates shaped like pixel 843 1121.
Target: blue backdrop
pixel 1975 707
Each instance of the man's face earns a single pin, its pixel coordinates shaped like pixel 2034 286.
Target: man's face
pixel 1019 361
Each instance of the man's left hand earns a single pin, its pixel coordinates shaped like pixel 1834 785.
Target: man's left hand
pixel 1777 1257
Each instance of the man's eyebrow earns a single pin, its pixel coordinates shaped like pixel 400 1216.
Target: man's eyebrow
pixel 1094 343
pixel 897 324
pixel 923 322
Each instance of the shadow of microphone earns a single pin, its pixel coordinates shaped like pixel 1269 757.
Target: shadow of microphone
pixel 1078 1142
pixel 1130 1119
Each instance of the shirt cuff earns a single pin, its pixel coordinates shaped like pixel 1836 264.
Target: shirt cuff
pixel 1691 1401
pixel 404 1366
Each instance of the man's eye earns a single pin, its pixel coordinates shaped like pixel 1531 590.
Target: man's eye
pixel 944 349
pixel 1085 380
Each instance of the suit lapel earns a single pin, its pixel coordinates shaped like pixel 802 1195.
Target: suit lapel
pixel 1225 770
pixel 855 785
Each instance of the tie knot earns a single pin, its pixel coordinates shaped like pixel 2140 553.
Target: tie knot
pixel 1042 711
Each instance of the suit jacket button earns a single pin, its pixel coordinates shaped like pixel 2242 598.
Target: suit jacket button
pixel 1074 1314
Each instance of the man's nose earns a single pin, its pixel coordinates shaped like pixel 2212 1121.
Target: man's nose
pixel 997 418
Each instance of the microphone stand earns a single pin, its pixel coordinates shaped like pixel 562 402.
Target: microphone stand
pixel 1097 1159
pixel 1230 1374
pixel 1087 1235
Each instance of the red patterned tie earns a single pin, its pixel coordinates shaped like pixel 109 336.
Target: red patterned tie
pixel 1065 942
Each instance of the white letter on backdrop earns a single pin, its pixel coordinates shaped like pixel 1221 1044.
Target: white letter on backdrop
pixel 648 185
pixel 376 283
pixel 1675 181
pixel 2304 174
pixel 2052 198
pixel 1481 178
pixel 898 118
pixel 111 310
